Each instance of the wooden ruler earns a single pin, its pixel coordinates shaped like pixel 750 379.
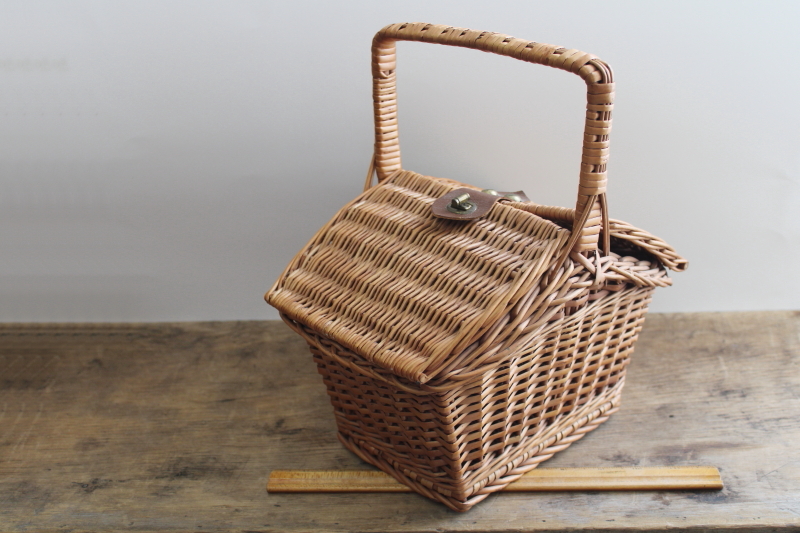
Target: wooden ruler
pixel 538 479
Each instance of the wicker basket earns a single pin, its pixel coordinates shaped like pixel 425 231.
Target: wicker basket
pixel 461 350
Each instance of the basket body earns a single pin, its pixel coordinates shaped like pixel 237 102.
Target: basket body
pixel 546 370
pixel 458 446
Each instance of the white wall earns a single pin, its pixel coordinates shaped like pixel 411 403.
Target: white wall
pixel 164 160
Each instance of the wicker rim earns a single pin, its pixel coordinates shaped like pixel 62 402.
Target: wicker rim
pixel 591 213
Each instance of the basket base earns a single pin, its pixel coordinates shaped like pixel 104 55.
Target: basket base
pixel 557 439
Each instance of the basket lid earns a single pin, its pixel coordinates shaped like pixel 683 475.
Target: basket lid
pixel 408 291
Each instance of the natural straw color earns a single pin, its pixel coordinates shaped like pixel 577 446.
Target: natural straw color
pixel 460 354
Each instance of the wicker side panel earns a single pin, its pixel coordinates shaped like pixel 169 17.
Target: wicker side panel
pixel 576 365
pixel 457 445
pixel 415 430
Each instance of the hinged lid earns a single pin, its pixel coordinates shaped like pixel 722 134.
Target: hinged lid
pixel 407 290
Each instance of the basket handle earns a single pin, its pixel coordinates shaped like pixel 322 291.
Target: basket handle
pixel 600 102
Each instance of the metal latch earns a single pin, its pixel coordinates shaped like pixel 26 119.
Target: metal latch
pixel 469 204
pixel 517 196
pixel 461 205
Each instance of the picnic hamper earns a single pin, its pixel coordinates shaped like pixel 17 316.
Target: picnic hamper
pixel 466 336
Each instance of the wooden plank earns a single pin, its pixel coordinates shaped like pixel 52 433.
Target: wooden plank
pixel 537 480
pixel 175 427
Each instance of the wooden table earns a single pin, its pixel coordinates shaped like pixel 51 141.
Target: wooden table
pixel 175 427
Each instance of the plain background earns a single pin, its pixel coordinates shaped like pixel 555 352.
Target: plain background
pixel 165 160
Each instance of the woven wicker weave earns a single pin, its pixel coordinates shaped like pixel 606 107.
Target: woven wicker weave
pixel 460 354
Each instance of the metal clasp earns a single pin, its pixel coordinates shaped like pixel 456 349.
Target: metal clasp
pixel 461 205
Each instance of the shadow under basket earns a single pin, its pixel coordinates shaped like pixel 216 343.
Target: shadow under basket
pixel 463 336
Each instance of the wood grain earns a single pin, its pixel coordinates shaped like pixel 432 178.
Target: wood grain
pixel 176 427
pixel 538 480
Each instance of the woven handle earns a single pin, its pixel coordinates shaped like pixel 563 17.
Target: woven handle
pixel 590 212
